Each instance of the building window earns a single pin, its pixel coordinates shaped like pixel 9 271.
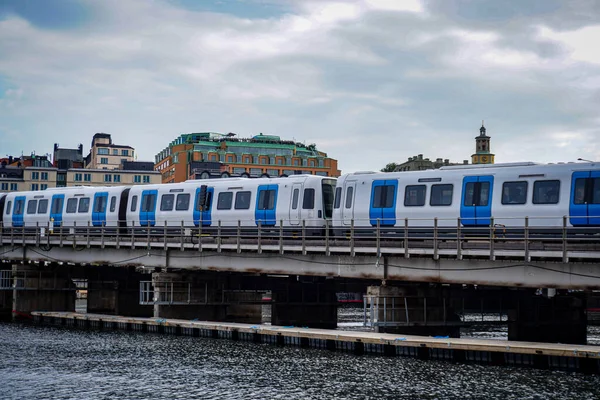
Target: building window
pixel 5 186
pixel 296 162
pixel 146 179
pixel 115 152
pixel 514 192
pixel 230 158
pixel 103 151
pixel 87 177
pixel 13 186
pixel 125 153
pixel 107 177
pixel 117 178
pixel 35 176
pixel 44 176
pixel 103 160
pixel 34 186
pixel 44 186
pixel 279 161
pixel 137 179
pixel 77 177
pixel 321 163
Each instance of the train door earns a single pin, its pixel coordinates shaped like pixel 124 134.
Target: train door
pixel 56 209
pixel 266 204
pixel 476 205
pixel 148 208
pixel 348 205
pixel 99 209
pixel 202 205
pixel 584 207
pixel 383 202
pixel 18 210
pixel 295 204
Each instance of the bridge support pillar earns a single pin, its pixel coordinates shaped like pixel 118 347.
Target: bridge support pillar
pixel 412 311
pixel 40 288
pixel 204 296
pixel 116 291
pixel 558 319
pixel 307 302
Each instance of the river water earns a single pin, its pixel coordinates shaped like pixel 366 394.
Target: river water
pixel 57 363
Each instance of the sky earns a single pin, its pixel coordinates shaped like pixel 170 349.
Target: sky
pixel 368 81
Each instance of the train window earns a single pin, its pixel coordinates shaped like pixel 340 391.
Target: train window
pixel 133 203
pixel 183 202
pixel 338 198
pixel 596 191
pixel 295 196
pixel 224 200
pixel 8 207
pixel 99 204
pixel 545 192
pixel 441 195
pixel 71 206
pixel 242 200
pixel 308 201
pixel 19 206
pixel 148 203
pixel 328 187
pixel 383 196
pixel 208 203
pixel 166 202
pixel 42 206
pixel 31 206
pixel 349 194
pixel 57 205
pixel 266 200
pixel 84 205
pixel 580 191
pixel 514 192
pixel 414 196
pixel 477 194
pixel 113 203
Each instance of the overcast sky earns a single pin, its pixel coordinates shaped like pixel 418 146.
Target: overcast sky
pixel 368 81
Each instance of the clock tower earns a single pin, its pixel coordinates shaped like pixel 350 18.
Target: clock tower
pixel 482 148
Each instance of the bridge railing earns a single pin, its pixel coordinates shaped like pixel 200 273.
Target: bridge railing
pixel 522 238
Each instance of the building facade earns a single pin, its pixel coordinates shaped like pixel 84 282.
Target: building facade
pixel 260 155
pixel 104 154
pixel 483 153
pixel 103 177
pixel 418 163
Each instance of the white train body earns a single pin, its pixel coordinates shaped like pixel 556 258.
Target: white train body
pixel 478 195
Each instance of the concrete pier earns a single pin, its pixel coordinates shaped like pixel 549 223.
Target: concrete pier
pixel 581 358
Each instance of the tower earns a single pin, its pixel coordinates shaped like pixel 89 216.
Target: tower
pixel 482 148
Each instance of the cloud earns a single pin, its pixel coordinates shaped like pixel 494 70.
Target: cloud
pixel 369 81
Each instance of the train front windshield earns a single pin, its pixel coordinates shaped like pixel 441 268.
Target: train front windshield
pixel 328 186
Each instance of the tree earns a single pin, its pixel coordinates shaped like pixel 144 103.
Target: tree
pixel 390 167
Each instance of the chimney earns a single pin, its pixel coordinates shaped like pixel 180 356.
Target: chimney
pixel 447 161
pixel 465 162
pixel 55 146
pixel 420 156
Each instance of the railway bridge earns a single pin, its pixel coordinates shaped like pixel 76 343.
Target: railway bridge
pixel 413 283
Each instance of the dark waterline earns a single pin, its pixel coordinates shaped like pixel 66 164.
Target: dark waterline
pixel 54 363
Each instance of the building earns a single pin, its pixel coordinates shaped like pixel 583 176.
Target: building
pixel 256 156
pixel 418 163
pixel 106 155
pixel 103 177
pixel 482 148
pixel 65 159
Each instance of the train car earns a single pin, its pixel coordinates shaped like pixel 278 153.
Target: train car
pixel 249 202
pixel 66 207
pixel 502 194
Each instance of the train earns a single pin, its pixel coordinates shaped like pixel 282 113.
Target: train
pixel 512 195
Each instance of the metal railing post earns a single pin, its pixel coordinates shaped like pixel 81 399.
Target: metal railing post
pixel 492 239
pixel 435 239
pixel 200 236
pixel 565 254
pixel 87 234
pixel 148 235
pixel 181 237
pixel 280 236
pixel 37 234
pixel 378 239
pixel 60 234
pixel 406 253
pixel 239 234
pixel 75 234
pixel 102 226
pixel 117 244
pixel 303 237
pixel 132 234
pixel 327 253
pixel 352 237
pixel 165 236
pixel 458 239
pixel 526 239
pixel 219 236
pixel 259 249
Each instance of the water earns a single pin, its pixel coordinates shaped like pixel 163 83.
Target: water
pixel 55 363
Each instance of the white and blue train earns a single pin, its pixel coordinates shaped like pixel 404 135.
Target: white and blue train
pixel 470 196
pixel 206 204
